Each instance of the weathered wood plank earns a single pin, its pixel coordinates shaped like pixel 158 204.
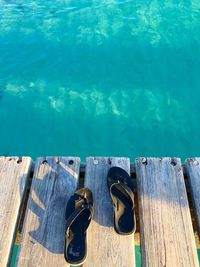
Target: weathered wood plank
pixel 105 247
pixel 14 173
pixel 167 236
pixel 192 167
pixel 132 168
pixel 54 181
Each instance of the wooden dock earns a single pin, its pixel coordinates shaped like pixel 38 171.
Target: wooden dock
pixel 36 194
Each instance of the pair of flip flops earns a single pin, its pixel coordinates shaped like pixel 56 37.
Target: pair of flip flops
pixel 79 212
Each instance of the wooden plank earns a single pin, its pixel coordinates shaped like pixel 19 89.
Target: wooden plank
pixel 192 167
pixel 14 173
pixel 105 247
pixel 55 180
pixel 132 168
pixel 167 236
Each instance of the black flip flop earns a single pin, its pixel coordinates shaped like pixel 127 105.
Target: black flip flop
pixel 78 214
pixel 121 192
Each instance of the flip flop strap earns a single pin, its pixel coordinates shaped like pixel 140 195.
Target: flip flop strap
pixel 125 187
pixel 70 220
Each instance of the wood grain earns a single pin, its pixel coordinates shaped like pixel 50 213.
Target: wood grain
pixel 167 237
pixel 55 180
pixel 14 174
pixel 192 167
pixel 105 247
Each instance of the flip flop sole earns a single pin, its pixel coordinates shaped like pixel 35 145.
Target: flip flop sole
pixel 121 192
pixel 79 212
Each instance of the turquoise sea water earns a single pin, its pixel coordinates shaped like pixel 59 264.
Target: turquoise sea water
pixel 96 77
